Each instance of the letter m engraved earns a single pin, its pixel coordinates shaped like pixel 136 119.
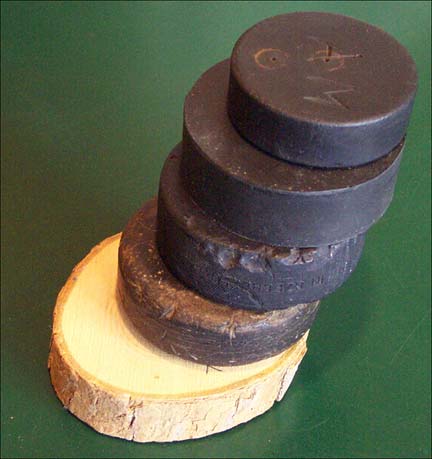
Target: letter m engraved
pixel 329 97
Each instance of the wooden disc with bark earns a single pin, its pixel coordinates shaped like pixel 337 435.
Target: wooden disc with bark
pixel 121 385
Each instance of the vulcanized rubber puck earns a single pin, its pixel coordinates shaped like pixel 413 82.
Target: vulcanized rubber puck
pixel 321 89
pixel 179 321
pixel 267 199
pixel 229 269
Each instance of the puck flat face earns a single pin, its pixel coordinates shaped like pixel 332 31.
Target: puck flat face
pixel 321 89
pixel 181 322
pixel 239 272
pixel 268 200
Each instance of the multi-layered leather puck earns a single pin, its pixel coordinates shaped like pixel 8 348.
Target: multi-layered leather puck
pixel 239 272
pixel 267 199
pixel 321 89
pixel 179 321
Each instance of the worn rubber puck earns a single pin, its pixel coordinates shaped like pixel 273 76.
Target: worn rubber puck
pixel 267 199
pixel 321 89
pixel 179 321
pixel 229 269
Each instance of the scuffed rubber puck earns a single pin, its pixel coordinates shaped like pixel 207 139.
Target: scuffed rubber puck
pixel 229 269
pixel 321 89
pixel 179 321
pixel 267 199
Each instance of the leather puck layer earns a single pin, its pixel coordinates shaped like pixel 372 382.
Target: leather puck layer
pixel 227 268
pixel 321 89
pixel 179 321
pixel 267 199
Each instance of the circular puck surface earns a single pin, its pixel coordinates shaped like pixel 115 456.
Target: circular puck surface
pixel 181 322
pixel 321 89
pixel 242 273
pixel 264 198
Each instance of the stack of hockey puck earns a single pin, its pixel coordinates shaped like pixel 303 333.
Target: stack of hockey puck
pixel 290 154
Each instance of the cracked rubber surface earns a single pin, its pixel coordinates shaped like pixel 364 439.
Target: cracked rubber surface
pixel 227 268
pixel 181 322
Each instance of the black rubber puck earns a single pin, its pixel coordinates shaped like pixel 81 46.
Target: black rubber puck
pixel 321 89
pixel 181 322
pixel 236 271
pixel 264 198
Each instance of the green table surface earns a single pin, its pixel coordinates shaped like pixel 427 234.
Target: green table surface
pixel 91 105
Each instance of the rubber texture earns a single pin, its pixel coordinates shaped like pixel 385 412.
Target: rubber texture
pixel 179 321
pixel 267 199
pixel 236 271
pixel 321 89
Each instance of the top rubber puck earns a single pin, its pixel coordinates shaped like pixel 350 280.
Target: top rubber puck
pixel 268 200
pixel 320 89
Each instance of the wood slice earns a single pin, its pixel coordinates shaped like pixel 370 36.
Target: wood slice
pixel 121 385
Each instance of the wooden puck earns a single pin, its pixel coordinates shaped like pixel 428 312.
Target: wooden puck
pixel 180 321
pixel 267 199
pixel 321 89
pixel 122 386
pixel 227 268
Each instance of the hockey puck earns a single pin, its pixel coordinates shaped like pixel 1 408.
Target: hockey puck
pixel 266 199
pixel 179 321
pixel 236 271
pixel 321 89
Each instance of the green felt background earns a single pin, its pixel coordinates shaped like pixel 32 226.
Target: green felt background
pixel 91 104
